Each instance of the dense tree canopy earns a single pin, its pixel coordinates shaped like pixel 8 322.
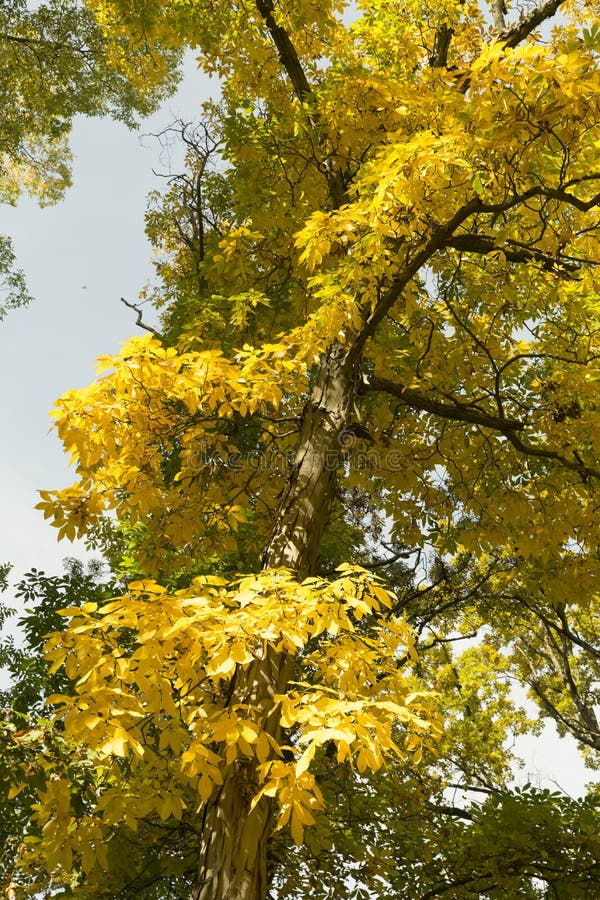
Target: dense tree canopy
pixel 350 490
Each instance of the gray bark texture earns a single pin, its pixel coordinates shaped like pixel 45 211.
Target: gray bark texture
pixel 233 847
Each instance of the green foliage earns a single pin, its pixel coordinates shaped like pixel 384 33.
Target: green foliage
pixel 13 290
pixel 23 712
pixel 416 841
pixel 21 651
pixel 451 826
pixel 56 63
pixel 152 863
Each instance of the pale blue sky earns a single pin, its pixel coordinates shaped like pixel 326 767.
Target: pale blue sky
pixel 79 258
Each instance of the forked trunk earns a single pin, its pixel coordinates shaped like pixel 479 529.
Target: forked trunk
pixel 233 850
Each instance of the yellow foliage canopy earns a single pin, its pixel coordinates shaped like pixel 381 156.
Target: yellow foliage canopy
pixel 155 684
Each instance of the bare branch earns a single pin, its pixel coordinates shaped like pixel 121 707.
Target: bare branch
pixel 515 251
pixel 441 46
pixel 475 416
pixel 139 321
pixel 562 629
pixel 41 42
pixel 447 810
pixel 287 52
pixel 438 239
pixel 513 36
pixel 541 452
pixel 590 740
pixel 444 233
pixel 380 563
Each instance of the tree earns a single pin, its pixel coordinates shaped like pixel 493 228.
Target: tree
pixel 391 335
pixel 398 836
pixel 453 826
pixel 58 62
pixel 12 280
pixel 22 703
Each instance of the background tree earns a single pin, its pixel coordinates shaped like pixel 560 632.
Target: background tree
pixel 22 703
pixel 56 63
pixel 394 291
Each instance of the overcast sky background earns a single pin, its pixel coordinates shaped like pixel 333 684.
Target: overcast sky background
pixel 79 258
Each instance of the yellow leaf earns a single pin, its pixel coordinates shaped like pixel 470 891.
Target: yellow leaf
pixel 249 732
pixel 297 827
pixel 305 760
pixel 263 748
pixel 14 790
pixel 117 743
pixel 205 788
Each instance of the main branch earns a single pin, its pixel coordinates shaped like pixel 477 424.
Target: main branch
pixel 290 61
pixel 457 412
pixel 465 413
pixel 512 37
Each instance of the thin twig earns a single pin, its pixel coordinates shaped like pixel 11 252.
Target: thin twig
pixel 139 321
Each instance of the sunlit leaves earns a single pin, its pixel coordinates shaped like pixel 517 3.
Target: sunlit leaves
pixel 154 437
pixel 152 672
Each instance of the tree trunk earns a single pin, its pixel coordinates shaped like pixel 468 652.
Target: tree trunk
pixel 233 848
pixel 305 506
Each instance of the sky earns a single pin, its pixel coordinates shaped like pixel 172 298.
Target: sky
pixel 79 258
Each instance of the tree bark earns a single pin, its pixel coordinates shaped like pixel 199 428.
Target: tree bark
pixel 233 846
pixel 305 505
